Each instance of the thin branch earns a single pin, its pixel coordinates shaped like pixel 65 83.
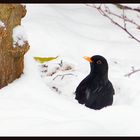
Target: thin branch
pixel 56 89
pixel 132 36
pixel 105 14
pixel 121 17
pixel 63 75
pixel 124 19
pixel 132 72
pixel 127 7
pixel 61 63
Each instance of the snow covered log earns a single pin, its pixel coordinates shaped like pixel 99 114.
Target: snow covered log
pixel 11 58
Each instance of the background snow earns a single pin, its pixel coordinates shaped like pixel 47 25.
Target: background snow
pixel 29 107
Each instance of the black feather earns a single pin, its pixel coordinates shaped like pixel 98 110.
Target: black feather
pixel 96 91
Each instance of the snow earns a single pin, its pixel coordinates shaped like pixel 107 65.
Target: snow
pixel 19 36
pixel 2 25
pixel 31 107
pixel 132 5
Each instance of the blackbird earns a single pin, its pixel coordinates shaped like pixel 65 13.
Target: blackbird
pixel 96 91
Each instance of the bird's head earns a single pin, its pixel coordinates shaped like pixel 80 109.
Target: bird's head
pixel 98 64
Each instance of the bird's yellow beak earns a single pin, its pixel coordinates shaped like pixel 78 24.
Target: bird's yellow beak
pixel 88 59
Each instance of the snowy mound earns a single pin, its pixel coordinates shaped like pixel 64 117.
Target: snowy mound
pixel 59 75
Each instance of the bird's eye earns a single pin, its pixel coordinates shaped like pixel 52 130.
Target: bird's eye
pixel 99 62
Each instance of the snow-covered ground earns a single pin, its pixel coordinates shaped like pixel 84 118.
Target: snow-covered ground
pixel 30 106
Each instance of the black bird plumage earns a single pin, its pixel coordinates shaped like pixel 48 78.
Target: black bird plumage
pixel 96 91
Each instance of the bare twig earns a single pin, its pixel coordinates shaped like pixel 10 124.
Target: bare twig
pixel 56 89
pixel 124 17
pixel 106 13
pixel 63 75
pixel 44 66
pixel 127 7
pixel 124 20
pixel 61 63
pixel 132 72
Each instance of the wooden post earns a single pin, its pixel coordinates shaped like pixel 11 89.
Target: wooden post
pixel 11 58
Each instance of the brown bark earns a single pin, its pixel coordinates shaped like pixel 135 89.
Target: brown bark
pixel 11 59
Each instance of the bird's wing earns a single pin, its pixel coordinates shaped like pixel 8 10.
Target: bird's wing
pixel 98 91
pixel 110 88
pixel 80 90
pixel 93 95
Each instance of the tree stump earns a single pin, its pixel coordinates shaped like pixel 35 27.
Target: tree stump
pixel 11 58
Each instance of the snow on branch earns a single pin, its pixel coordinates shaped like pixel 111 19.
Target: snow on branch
pixel 104 10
